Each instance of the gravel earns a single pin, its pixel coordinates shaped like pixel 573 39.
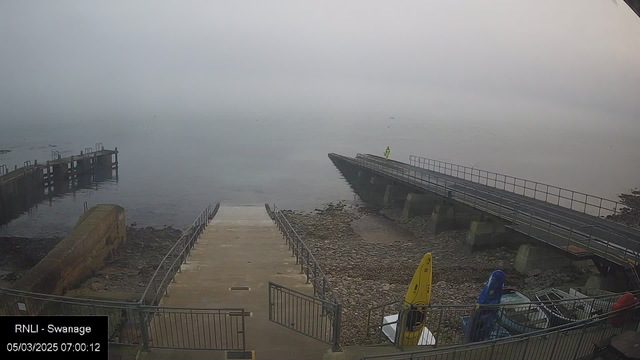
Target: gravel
pixel 366 274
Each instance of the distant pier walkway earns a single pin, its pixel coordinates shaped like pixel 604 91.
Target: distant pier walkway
pixel 576 228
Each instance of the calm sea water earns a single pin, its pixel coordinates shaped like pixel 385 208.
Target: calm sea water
pixel 172 168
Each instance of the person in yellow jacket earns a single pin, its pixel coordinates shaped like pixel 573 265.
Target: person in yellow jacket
pixel 387 151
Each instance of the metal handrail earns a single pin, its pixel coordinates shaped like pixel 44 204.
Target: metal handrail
pixel 475 175
pixel 440 316
pixel 512 213
pixel 177 255
pixel 578 325
pixel 299 249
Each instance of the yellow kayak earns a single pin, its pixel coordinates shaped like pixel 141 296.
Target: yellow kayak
pixel 417 298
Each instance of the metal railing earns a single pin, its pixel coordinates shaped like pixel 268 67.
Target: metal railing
pixel 304 257
pixel 567 342
pixel 134 323
pixel 124 318
pixel 175 257
pixel 131 323
pixel 305 314
pixel 570 199
pixel 201 329
pixel 580 236
pixel 457 324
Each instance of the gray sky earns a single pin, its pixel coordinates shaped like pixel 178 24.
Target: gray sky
pixel 73 59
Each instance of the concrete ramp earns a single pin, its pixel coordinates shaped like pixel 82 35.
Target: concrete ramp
pixel 231 266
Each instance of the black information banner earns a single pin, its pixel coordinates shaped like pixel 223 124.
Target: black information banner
pixel 46 337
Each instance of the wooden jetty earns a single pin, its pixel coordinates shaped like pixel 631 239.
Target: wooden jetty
pixel 26 186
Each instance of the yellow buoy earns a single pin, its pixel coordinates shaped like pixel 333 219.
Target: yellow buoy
pixel 415 302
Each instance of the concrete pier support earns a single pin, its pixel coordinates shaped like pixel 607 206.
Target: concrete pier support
pixel 375 189
pixel 395 194
pixel 417 204
pixel 485 235
pixel 363 177
pixel 533 257
pixel 610 282
pixel 379 181
pixel 61 171
pixel 104 161
pixel 83 166
pixel 442 219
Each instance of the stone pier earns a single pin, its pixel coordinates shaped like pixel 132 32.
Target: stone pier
pixel 418 204
pixel 395 194
pixel 485 234
pixel 531 257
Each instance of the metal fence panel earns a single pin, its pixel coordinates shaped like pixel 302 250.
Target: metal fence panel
pixel 316 318
pixel 445 321
pixel 567 342
pixel 196 329
pixel 123 317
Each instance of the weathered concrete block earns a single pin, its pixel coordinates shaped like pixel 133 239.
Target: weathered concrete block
pixel 609 282
pixel 379 181
pixel 532 257
pixel 483 235
pixel 417 204
pixel 104 161
pixel 364 177
pixel 394 194
pixel 96 236
pixel 462 219
pixel 61 171
pixel 442 219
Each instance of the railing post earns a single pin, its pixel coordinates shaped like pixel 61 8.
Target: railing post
pixel 337 325
pixel 324 282
pixel 315 277
pixel 439 324
pixel 553 350
pixel 526 346
pixel 584 328
pixel 399 340
pixel 143 328
pixel 493 347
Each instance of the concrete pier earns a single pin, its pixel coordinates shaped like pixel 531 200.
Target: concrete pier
pixel 394 195
pixel 25 187
pixel 242 247
pixel 418 204
pixel 485 234
pixel 96 236
pixel 441 219
pixel 533 257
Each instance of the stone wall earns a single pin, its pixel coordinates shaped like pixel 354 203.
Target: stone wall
pixel 96 236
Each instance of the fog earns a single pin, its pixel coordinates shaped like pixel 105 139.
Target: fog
pixel 509 61
pixel 240 102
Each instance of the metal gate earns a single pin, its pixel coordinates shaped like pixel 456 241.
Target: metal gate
pixel 196 329
pixel 316 318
